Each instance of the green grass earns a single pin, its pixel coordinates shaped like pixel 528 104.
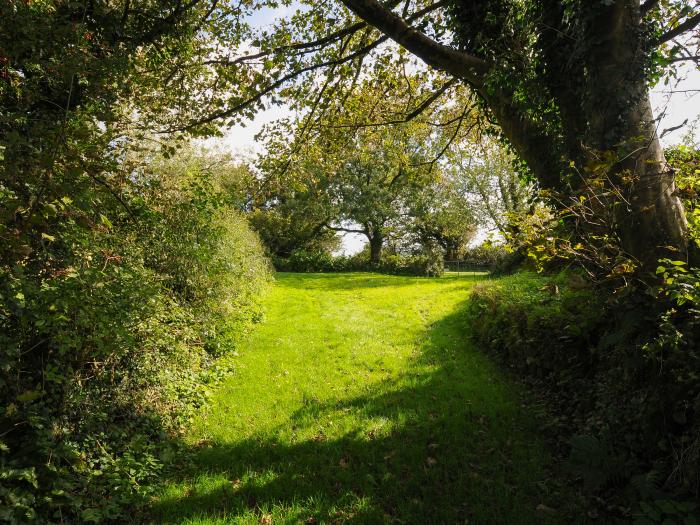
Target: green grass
pixel 359 400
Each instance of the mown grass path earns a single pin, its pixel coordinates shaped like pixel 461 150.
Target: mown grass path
pixel 359 400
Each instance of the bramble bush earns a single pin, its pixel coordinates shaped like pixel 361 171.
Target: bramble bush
pixel 109 329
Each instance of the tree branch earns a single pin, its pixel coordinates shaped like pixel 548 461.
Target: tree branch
pixel 423 106
pixel 305 47
pixel 279 82
pixel 289 76
pixel 689 24
pixel 346 230
pixel 459 64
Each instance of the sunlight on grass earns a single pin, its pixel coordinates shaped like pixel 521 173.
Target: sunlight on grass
pixel 359 400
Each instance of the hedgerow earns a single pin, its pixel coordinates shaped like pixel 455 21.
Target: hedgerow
pixel 109 329
pixel 427 264
pixel 622 373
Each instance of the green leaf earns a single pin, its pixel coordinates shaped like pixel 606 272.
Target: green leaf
pixel 29 396
pixel 104 220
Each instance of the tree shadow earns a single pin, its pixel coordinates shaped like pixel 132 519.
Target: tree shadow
pixel 460 450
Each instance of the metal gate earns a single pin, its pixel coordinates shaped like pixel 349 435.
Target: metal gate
pixel 465 268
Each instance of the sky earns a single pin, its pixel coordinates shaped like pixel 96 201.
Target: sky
pixel 672 109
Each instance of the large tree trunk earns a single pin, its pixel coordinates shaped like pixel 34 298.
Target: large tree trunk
pixel 376 242
pixel 608 132
pixel 652 224
pixel 650 218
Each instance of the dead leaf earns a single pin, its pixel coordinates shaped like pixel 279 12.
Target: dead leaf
pixel 433 446
pixel 266 519
pixel 343 462
pixel 311 521
pixel 236 484
pixel 544 509
pixel 431 462
pixel 203 443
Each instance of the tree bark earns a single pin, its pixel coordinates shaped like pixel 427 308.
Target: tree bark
pixel 653 223
pixel 376 242
pixel 650 221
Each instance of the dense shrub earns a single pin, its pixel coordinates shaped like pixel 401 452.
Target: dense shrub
pixel 685 161
pixel 303 261
pixel 107 335
pixel 430 265
pixel 623 372
pixel 486 256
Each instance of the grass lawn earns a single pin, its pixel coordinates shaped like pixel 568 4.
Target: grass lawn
pixel 359 400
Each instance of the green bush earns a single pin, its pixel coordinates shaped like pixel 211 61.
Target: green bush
pixel 303 261
pixel 513 314
pixel 487 256
pixel 622 371
pixel 429 265
pixel 109 326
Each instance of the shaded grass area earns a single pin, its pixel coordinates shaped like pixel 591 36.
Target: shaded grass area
pixel 360 401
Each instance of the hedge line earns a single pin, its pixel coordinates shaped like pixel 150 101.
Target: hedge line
pixel 625 392
pixel 428 265
pixel 109 335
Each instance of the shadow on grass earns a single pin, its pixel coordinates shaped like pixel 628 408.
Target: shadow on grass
pixel 462 450
pixel 358 280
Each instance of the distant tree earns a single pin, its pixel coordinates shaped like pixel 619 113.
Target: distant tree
pixel 374 184
pixel 346 177
pixel 486 172
pixel 292 224
pixel 442 215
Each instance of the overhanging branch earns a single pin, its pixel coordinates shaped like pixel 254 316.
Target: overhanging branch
pixel 689 24
pixel 423 106
pixel 441 57
pixel 359 53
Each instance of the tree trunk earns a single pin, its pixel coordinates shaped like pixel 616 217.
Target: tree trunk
pixel 653 223
pixel 376 241
pixel 606 119
pixel 650 220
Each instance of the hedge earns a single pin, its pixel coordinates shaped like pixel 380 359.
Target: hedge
pixel 622 378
